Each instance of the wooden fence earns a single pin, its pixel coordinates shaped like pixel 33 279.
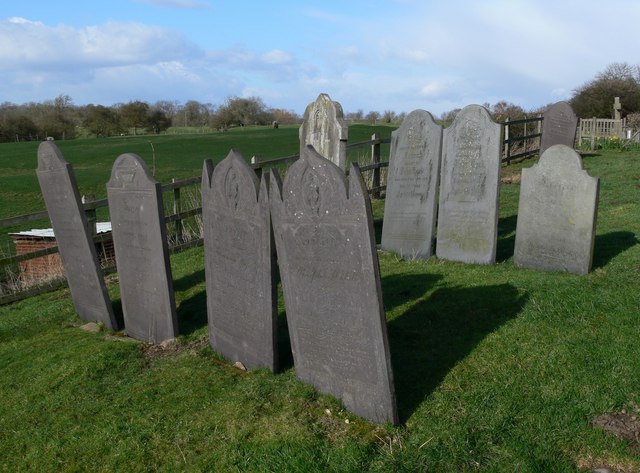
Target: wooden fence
pixel 523 137
pixel 176 214
pixel 593 128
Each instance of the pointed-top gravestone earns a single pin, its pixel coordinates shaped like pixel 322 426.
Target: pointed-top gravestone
pixel 142 257
pixel 558 127
pixel 469 184
pixel 324 128
pixel 76 247
pixel 412 187
pixel 239 263
pixel 557 214
pixel 331 284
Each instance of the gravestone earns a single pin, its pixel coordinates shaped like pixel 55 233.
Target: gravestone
pixel 469 185
pixel 324 128
pixel 331 285
pixel 239 263
pixel 557 214
pixel 75 244
pixel 142 257
pixel 412 187
pixel 558 127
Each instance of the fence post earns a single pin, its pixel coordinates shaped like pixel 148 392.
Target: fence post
pixel 593 134
pixel 375 159
pixel 507 142
pixel 255 161
pixel 177 208
pixel 90 212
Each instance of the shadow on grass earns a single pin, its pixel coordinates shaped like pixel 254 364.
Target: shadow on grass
pixel 610 245
pixel 429 338
pixel 506 238
pixel 118 313
pixel 192 312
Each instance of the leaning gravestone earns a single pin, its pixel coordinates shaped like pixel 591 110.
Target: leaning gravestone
pixel 140 243
pixel 558 126
pixel 331 284
pixel 557 214
pixel 469 184
pixel 412 187
pixel 76 247
pixel 324 128
pixel 239 263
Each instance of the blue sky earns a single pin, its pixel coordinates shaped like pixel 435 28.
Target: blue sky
pixel 376 55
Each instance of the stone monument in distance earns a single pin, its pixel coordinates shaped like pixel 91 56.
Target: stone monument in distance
pixel 324 128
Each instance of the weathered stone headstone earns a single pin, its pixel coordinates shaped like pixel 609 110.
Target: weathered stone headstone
pixel 557 214
pixel 239 263
pixel 331 284
pixel 76 247
pixel 142 257
pixel 469 184
pixel 324 128
pixel 558 127
pixel 412 187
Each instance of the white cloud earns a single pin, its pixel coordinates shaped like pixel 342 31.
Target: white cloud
pixel 276 56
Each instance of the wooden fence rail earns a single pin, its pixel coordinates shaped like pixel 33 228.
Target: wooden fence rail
pixel 526 138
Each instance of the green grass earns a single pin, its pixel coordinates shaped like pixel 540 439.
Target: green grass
pixel 497 369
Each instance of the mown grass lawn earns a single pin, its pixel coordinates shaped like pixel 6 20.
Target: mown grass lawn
pixel 496 369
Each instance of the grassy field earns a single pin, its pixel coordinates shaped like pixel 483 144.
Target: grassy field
pixel 497 369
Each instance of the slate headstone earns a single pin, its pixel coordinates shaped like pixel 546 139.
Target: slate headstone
pixel 239 263
pixel 469 184
pixel 558 127
pixel 142 257
pixel 557 214
pixel 331 284
pixel 412 187
pixel 75 244
pixel 324 128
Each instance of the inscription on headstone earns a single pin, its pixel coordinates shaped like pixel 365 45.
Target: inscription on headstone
pixel 558 127
pixel 324 128
pixel 77 250
pixel 412 187
pixel 557 214
pixel 239 263
pixel 470 179
pixel 142 257
pixel 331 284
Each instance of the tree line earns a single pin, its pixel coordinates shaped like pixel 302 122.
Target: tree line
pixel 60 118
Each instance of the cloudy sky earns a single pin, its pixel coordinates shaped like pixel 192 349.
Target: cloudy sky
pixel 375 55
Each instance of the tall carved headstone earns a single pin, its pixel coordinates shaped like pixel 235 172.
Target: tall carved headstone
pixel 412 187
pixel 142 257
pixel 331 284
pixel 557 214
pixel 558 127
pixel 324 128
pixel 469 185
pixel 239 263
pixel 76 247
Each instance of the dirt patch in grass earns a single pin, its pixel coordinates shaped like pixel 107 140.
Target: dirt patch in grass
pixel 172 347
pixel 624 425
pixel 510 179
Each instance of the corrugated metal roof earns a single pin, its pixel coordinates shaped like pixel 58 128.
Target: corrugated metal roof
pixel 101 227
